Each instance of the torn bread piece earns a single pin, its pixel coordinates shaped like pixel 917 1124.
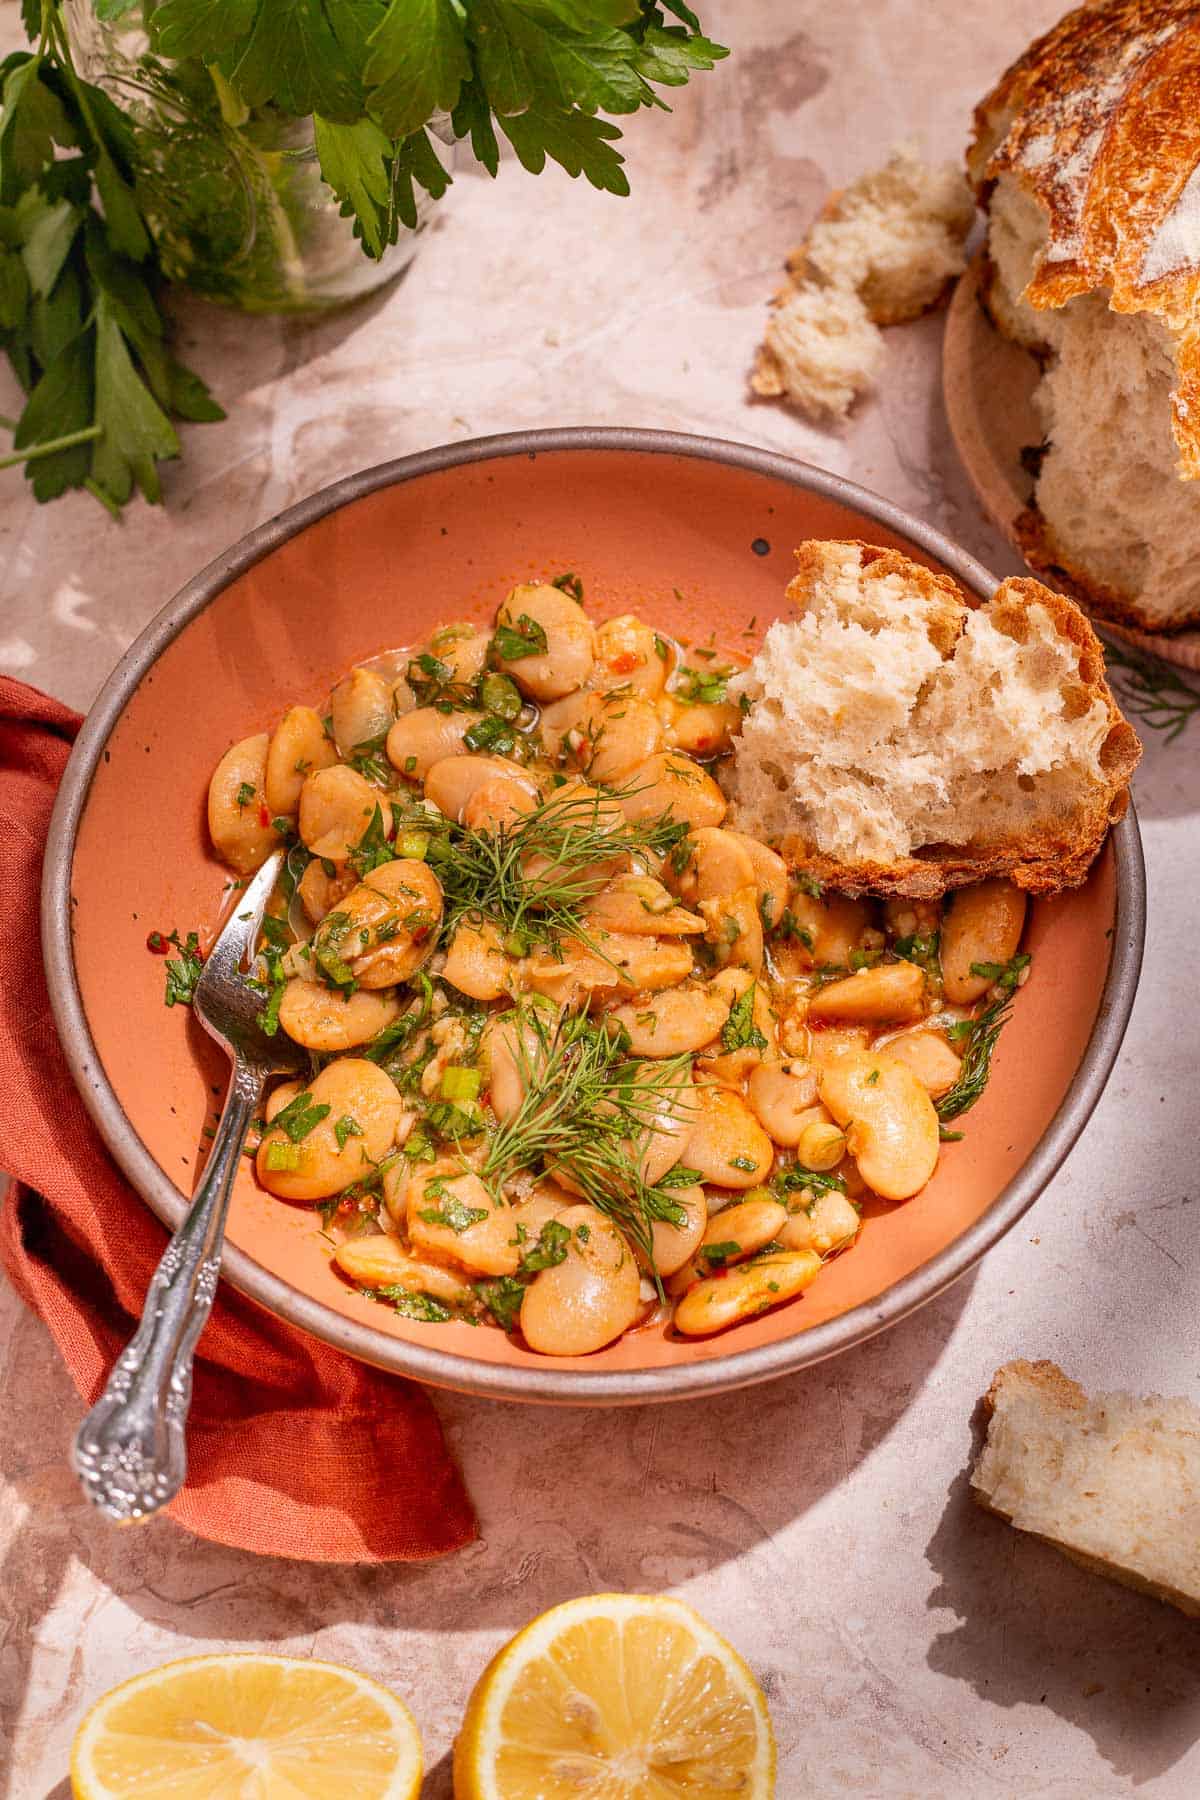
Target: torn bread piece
pixel 899 738
pixel 885 249
pixel 1113 1482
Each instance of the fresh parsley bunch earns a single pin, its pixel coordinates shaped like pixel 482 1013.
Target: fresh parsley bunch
pixel 80 320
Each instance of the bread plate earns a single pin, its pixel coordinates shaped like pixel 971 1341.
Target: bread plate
pixel 695 531
pixel 988 383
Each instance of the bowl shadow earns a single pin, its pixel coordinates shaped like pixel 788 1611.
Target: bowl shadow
pixel 571 1501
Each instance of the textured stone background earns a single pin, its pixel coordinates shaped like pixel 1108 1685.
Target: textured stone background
pixel 910 1646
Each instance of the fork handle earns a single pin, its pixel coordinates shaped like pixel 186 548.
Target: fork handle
pixel 130 1452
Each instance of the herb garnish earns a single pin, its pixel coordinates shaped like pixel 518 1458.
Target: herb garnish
pixel 298 1117
pixel 739 1031
pixel 184 970
pixel 589 1111
pixel 979 1036
pixel 513 642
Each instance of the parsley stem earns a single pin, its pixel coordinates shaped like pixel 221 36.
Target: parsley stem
pixel 50 445
pixel 7 424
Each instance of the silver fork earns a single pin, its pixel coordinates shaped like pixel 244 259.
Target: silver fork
pixel 130 1452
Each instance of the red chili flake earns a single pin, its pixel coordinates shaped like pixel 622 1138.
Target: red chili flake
pixel 264 817
pixel 703 743
pixel 624 663
pixel 420 934
pixel 157 944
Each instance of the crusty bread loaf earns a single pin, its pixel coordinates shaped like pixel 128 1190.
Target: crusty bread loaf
pixel 1114 1483
pixel 885 249
pixel 902 739
pixel 1087 157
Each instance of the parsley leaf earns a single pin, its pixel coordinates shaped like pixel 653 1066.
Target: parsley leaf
pixel 298 1117
pixel 739 1031
pixel 525 638
pixel 550 1249
pixel 184 970
pixel 417 64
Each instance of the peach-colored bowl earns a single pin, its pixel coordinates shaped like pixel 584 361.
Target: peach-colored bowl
pixel 695 533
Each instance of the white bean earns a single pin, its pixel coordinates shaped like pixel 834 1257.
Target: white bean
pixel 890 1122
pixel 745 1292
pixel 889 993
pixel 588 1299
pixel 298 746
pixel 318 1166
pixel 566 661
pixel 323 1019
pixel 451 1214
pixel 629 654
pixel 336 807
pixel 726 1145
pixel 673 783
pixel 677 1020
pixel 360 711
pixel 424 737
pixel 238 821
pixel 982 924
pixel 782 1103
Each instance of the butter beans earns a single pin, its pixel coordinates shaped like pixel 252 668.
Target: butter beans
pixel 426 736
pixel 360 711
pixel 674 1245
pixel 930 1058
pixel 829 929
pixel 640 906
pixel 588 1299
pixel 462 648
pixel 386 927
pixel 238 822
pixel 318 1165
pixel 380 1261
pixel 982 924
pixel 613 736
pixel 336 807
pixel 453 1216
pixel 476 964
pixel 698 728
pixel 320 892
pixel 828 1224
pixel 726 1144
pixel 672 1022
pixel 645 964
pixel 746 1291
pixel 455 781
pixel 671 782
pixel 890 992
pixel 770 877
pixel 734 929
pixel 298 746
pixel 566 661
pixel 719 865
pixel 890 1122
pixel 782 1102
pixel 740 1231
pixel 627 656
pixel 321 1018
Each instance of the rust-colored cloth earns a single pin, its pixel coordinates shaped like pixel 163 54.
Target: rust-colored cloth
pixel 293 1449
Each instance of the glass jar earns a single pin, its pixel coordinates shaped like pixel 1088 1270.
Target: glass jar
pixel 233 195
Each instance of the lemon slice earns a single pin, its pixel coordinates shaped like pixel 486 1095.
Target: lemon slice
pixel 247 1727
pixel 616 1697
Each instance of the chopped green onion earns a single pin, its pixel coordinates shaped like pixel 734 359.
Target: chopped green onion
pixel 413 844
pixel 284 1156
pixel 461 1084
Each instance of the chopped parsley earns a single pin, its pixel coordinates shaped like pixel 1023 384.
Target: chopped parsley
pixel 550 1249
pixel 346 1128
pixel 451 1212
pixel 503 1299
pixel 739 1031
pixel 525 638
pixel 299 1117
pixel 184 970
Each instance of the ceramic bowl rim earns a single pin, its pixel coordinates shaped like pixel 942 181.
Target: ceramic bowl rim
pixel 581 1385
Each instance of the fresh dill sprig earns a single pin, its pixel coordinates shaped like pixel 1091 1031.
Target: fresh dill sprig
pixel 531 878
pixel 588 1110
pixel 1152 690
pixel 979 1037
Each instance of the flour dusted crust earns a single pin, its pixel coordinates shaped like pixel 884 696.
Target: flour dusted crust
pixel 1113 1483
pixel 1100 122
pixel 895 705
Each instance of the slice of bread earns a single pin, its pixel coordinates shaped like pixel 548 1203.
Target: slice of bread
pixel 885 249
pixel 901 739
pixel 1114 1482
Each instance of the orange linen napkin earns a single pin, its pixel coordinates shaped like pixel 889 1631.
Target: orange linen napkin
pixel 294 1450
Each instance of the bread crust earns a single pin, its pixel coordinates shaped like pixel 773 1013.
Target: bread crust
pixel 1045 860
pixel 1099 121
pixel 1058 1392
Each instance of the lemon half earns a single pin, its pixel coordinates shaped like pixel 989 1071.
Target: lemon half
pixel 616 1697
pixel 247 1727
